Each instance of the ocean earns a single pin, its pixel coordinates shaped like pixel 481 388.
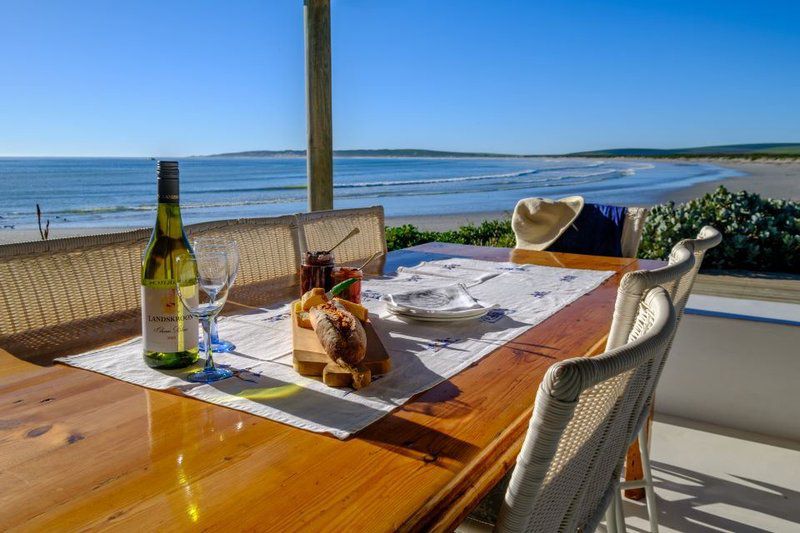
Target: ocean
pixel 121 192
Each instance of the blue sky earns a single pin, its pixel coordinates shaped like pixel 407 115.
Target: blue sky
pixel 180 77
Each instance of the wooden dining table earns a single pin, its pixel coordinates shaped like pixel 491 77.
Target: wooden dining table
pixel 80 450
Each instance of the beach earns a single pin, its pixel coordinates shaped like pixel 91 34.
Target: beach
pixel 773 178
pixel 770 179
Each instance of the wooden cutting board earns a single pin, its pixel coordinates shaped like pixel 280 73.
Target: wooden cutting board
pixel 309 358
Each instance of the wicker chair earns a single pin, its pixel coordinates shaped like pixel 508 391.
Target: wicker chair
pixel 269 252
pixel 322 229
pixel 67 295
pixel 58 293
pixel 568 469
pixel 677 278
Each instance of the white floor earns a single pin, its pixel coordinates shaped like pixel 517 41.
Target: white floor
pixel 710 478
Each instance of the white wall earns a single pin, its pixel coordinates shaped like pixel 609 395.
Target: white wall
pixel 736 373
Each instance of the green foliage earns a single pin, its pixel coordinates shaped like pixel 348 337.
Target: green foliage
pixel 757 233
pixel 487 233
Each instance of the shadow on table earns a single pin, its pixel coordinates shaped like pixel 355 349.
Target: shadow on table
pixel 335 411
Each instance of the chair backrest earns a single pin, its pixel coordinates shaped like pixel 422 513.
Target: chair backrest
pixel 634 285
pixel 269 252
pixel 322 229
pixel 706 239
pixel 53 291
pixel 677 278
pixel 71 294
pixel 635 218
pixel 579 432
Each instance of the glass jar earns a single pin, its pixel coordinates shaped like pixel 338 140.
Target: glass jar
pixel 353 292
pixel 316 271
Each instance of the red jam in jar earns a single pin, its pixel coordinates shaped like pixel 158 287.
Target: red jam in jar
pixel 353 292
pixel 316 271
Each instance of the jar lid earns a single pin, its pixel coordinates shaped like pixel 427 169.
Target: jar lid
pixel 319 258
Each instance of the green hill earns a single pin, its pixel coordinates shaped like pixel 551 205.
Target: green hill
pixel 729 150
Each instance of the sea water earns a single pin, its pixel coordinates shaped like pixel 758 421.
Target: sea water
pixel 120 192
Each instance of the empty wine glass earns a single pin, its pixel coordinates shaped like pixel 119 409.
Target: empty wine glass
pixel 202 285
pixel 228 246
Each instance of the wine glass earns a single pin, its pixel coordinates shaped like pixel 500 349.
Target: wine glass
pixel 229 246
pixel 202 285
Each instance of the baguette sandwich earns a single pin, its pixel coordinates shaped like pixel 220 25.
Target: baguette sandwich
pixel 340 333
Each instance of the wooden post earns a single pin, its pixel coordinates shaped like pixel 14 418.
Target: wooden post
pixel 317 17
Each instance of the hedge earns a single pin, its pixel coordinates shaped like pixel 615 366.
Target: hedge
pixel 487 233
pixel 759 234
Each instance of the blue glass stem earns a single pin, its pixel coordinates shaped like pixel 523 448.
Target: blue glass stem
pixel 217 344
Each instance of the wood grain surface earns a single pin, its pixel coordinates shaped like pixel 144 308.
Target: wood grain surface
pixel 81 450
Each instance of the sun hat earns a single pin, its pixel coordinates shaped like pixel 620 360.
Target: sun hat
pixel 539 222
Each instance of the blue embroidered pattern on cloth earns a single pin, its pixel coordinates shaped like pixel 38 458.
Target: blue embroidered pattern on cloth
pixel 495 314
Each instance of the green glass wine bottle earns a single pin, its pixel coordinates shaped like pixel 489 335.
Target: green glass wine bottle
pixel 169 332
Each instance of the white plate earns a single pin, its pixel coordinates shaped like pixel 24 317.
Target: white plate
pixel 444 315
pixel 438 300
pixel 429 318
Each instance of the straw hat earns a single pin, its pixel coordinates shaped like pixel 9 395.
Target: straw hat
pixel 539 222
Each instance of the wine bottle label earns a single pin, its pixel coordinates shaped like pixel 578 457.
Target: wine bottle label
pixel 166 325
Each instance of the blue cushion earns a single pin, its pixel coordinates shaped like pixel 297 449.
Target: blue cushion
pixel 596 231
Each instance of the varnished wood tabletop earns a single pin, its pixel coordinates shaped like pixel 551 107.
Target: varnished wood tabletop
pixel 81 450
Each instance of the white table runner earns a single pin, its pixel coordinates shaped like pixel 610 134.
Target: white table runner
pixel 423 354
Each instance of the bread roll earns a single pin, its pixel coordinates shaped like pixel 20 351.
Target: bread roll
pixel 341 334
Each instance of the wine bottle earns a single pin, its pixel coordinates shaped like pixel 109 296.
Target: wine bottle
pixel 169 332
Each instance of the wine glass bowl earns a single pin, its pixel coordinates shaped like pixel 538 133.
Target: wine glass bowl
pixel 202 284
pixel 202 244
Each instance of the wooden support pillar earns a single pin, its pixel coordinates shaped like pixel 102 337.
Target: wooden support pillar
pixel 317 18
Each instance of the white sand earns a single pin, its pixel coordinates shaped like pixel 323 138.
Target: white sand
pixel 773 179
pixel 769 179
pixel 27 235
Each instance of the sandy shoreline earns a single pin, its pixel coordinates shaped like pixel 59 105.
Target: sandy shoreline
pixel 772 179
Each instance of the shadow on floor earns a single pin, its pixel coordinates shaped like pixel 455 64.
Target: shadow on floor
pixel 689 501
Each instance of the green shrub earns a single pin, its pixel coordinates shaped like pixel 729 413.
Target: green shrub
pixel 487 233
pixel 757 233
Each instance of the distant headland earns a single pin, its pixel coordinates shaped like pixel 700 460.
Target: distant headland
pixel 401 152
pixel 728 151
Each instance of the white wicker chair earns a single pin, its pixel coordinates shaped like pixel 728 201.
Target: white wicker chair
pixel 66 295
pixel 677 278
pixel 568 469
pixel 322 229
pixel 269 252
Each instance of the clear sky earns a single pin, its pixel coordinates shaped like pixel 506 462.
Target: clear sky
pixel 196 77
